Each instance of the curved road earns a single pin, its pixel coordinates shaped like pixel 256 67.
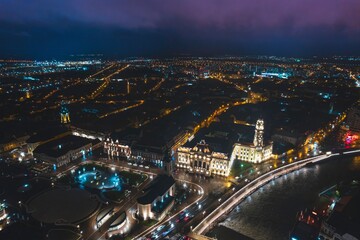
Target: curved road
pixel 251 187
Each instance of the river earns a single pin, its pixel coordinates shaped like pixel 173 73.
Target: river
pixel 270 212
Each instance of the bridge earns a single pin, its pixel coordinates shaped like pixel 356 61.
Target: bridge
pixel 210 220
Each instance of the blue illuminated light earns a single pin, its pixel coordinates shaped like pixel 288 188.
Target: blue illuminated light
pixel 99 179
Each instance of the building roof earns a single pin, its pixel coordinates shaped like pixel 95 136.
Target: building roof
pixel 120 219
pixel 221 137
pixel 346 217
pixel 159 186
pixel 304 231
pixel 47 133
pixel 61 146
pixel 103 213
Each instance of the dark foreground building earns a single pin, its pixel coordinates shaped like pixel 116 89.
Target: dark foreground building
pixel 158 198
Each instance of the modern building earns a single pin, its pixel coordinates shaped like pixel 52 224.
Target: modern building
pixel 103 216
pixel 66 149
pixel 158 198
pixel 256 152
pixel 116 226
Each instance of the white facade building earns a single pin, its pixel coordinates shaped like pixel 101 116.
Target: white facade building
pixel 201 159
pixel 256 152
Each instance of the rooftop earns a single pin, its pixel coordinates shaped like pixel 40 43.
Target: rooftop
pixel 47 133
pixel 61 146
pixel 159 186
pixel 346 217
pixel 221 136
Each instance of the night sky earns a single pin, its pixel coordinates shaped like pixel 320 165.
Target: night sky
pixel 119 28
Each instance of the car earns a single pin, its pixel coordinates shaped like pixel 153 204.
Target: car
pixel 172 227
pixel 181 216
pixel 147 167
pixel 188 218
pixel 141 165
pixel 129 163
pixel 160 227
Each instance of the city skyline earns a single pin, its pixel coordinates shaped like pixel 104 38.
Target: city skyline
pixel 180 120
pixel 125 28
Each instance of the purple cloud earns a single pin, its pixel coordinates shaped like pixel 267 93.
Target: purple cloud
pixel 237 15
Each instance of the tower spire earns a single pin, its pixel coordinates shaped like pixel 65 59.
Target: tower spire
pixel 259 134
pixel 64 113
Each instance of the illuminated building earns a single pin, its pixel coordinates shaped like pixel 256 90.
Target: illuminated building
pixel 116 149
pixel 204 73
pixel 350 138
pixel 116 226
pixel 133 147
pixel 256 152
pixel 103 216
pixel 271 75
pixel 85 133
pixel 158 198
pixel 64 114
pixel 8 143
pixel 201 159
pixel 134 152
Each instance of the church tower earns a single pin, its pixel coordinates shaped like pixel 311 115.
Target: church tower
pixel 259 134
pixel 168 161
pixel 64 114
